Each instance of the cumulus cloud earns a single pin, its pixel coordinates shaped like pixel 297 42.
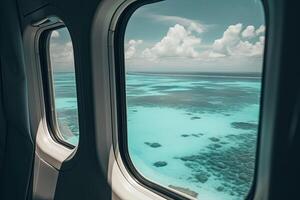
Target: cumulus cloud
pixel 249 32
pixel 179 42
pixel 231 38
pixel 131 48
pixel 55 34
pixel 61 55
pixel 246 48
pixel 261 30
pixel 233 42
pixel 191 25
pixel 238 46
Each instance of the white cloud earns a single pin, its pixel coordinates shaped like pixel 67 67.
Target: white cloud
pixel 232 42
pixel 249 32
pixel 191 25
pixel 179 42
pixel 55 34
pixel 231 38
pixel 131 48
pixel 246 48
pixel 261 30
pixel 61 55
pixel 182 47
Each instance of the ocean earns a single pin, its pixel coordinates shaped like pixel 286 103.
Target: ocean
pixel 195 133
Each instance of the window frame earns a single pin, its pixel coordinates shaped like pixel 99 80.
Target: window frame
pixel 48 86
pixel 119 76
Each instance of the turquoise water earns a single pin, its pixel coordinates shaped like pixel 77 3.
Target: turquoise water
pixel 196 134
pixel 66 106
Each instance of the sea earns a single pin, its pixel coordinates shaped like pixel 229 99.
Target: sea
pixel 195 133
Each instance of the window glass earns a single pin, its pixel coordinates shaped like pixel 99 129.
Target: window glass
pixel 193 87
pixel 64 86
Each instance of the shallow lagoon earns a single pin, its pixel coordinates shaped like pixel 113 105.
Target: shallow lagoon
pixel 195 132
pixel 206 128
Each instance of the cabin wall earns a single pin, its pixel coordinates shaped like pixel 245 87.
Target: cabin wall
pixel 19 148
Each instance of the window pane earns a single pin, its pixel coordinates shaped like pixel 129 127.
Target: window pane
pixel 64 85
pixel 193 86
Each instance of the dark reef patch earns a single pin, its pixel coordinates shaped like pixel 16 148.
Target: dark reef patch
pixel 214 139
pixel 201 177
pixel 232 97
pixel 214 146
pixel 185 135
pixel 244 125
pixel 153 145
pixel 160 164
pixel 193 118
pixel 233 166
pixel 220 188
pixel 143 90
pixel 193 135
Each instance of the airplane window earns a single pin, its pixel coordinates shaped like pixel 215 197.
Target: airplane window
pixel 63 86
pixel 193 87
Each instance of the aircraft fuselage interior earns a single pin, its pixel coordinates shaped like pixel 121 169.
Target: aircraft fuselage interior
pixel 149 100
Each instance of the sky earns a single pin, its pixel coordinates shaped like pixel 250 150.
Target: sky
pixel 61 51
pixel 196 36
pixel 184 36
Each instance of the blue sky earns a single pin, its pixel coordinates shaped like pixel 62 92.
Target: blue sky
pixel 196 35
